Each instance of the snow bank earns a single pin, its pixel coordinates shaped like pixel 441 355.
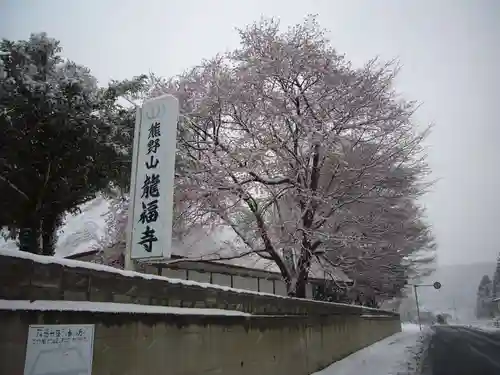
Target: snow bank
pixel 398 354
pixel 111 308
pixel 410 327
pixel 487 326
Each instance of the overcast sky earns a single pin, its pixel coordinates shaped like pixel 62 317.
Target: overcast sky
pixel 450 51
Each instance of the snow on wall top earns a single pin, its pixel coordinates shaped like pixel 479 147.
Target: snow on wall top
pixel 100 267
pixel 110 307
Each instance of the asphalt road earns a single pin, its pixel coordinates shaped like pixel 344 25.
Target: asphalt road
pixel 459 350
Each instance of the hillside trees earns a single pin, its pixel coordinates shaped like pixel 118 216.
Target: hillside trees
pixel 496 280
pixel 303 155
pixel 484 294
pixel 62 138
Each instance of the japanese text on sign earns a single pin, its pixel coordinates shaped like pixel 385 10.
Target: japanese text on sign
pixel 59 349
pixel 152 182
pixel 150 190
pixel 53 335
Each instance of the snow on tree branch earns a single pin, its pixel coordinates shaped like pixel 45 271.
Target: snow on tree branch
pixel 303 155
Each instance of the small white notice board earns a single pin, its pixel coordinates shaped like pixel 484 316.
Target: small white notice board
pixel 59 350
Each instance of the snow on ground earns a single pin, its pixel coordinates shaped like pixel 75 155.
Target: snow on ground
pixel 395 355
pixel 484 325
pixel 109 307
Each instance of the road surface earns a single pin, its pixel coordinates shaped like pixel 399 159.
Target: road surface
pixel 442 350
pixel 462 350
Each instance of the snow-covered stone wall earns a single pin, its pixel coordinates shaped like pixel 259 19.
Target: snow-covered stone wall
pixel 156 342
pixel 26 276
pixel 151 324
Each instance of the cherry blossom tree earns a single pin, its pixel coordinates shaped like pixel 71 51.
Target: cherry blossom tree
pixel 304 155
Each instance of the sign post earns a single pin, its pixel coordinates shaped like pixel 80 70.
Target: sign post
pixel 152 181
pixel 436 285
pixel 418 308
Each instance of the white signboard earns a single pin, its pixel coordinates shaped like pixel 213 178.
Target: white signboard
pixel 152 184
pixel 59 350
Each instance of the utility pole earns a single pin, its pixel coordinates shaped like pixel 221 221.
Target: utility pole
pixel 455 310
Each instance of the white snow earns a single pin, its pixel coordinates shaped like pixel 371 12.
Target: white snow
pixel 491 325
pixel 83 232
pixel 111 308
pixel 80 232
pixel 394 355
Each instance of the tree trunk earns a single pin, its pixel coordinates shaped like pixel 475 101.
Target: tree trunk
pixel 29 238
pixel 49 236
pixel 303 267
pixel 300 287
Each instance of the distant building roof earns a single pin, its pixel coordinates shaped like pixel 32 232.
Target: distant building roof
pixel 81 235
pixel 319 270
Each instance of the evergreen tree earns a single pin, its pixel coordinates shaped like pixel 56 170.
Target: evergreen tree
pixel 496 279
pixel 61 138
pixel 484 293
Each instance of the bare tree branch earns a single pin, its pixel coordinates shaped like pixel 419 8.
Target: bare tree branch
pixel 14 187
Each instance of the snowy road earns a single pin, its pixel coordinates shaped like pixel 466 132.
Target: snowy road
pixel 464 350
pixel 394 355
